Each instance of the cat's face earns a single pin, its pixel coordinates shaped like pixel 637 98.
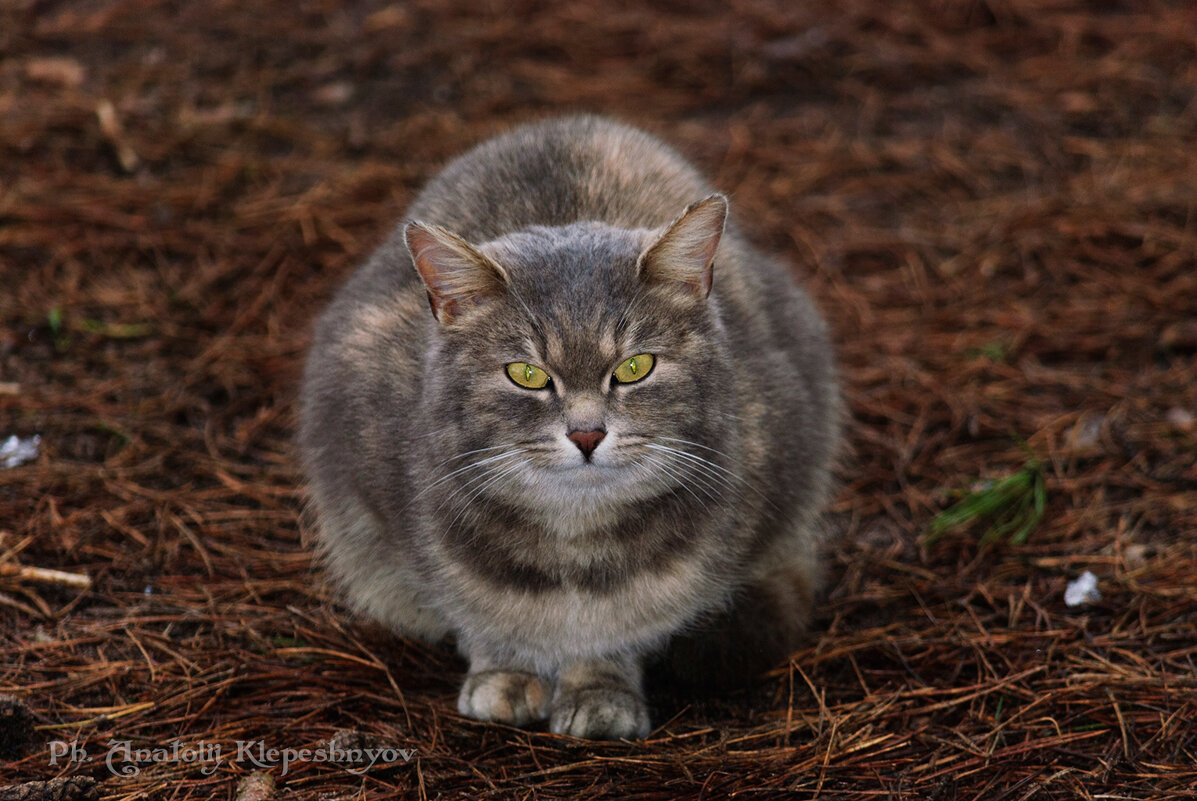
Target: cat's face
pixel 584 382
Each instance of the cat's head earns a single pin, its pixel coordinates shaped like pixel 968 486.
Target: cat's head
pixel 578 368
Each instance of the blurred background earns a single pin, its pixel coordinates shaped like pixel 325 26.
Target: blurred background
pixel 993 202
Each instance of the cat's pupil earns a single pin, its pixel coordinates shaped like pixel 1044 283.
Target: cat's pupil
pixel 528 373
pixel 632 366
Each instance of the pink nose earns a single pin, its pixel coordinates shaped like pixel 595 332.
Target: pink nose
pixel 587 441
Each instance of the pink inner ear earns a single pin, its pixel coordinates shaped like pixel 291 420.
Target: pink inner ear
pixel 686 250
pixel 443 309
pixel 454 272
pixel 707 257
pixel 430 258
pixel 708 277
pixel 422 244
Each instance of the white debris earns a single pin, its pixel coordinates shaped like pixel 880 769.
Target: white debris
pixel 15 451
pixel 1082 591
pixel 1181 418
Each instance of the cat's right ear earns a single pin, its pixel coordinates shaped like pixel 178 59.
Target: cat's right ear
pixel 684 254
pixel 456 274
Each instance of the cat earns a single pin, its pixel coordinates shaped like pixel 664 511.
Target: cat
pixel 567 415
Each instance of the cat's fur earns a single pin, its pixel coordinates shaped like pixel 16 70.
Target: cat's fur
pixel 450 500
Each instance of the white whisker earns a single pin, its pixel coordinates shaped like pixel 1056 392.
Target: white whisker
pixel 711 469
pixel 434 432
pixel 481 488
pixel 471 466
pixel 681 479
pixel 480 477
pixel 699 478
pixel 700 445
pixel 531 317
pixel 468 453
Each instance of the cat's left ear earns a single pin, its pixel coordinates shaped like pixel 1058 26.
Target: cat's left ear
pixel 685 253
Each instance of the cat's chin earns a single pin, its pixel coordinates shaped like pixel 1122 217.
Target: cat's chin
pixel 585 489
pixel 577 500
pixel 595 478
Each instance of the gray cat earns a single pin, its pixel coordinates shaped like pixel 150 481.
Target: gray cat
pixel 613 427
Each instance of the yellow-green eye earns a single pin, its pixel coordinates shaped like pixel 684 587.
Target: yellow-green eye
pixel 631 370
pixel 527 375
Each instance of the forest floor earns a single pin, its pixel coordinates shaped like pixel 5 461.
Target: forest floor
pixel 993 202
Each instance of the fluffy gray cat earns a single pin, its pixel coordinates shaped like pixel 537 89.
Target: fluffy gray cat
pixel 567 414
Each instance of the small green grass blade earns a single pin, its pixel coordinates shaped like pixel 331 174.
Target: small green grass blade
pixel 1013 506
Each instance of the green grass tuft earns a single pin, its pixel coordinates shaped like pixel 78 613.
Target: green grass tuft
pixel 1014 506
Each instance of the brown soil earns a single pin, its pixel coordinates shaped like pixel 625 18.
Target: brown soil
pixel 994 201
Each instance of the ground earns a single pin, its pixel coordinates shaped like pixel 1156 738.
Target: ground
pixel 992 201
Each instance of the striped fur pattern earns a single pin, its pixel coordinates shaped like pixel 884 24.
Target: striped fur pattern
pixel 450 501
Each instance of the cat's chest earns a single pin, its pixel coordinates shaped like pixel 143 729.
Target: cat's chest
pixel 584 616
pixel 614 588
pixel 519 551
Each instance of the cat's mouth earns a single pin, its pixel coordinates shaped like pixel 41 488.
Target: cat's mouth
pixel 593 471
pixel 595 478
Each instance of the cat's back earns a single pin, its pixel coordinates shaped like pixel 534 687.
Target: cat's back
pixel 558 172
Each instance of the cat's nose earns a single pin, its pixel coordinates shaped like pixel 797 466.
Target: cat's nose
pixel 587 441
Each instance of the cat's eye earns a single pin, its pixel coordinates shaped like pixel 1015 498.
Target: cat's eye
pixel 634 369
pixel 528 376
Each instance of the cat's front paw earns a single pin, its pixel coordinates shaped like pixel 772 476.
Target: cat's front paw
pixel 505 696
pixel 599 713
